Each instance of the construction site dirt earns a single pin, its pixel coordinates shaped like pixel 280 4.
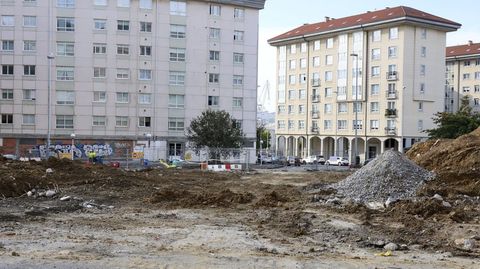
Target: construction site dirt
pixel 64 214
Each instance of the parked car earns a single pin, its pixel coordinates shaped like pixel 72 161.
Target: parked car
pixel 314 159
pixel 293 161
pixel 279 160
pixel 10 156
pixel 336 160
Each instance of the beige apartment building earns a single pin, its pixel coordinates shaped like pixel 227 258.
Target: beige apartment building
pixel 377 76
pixel 123 72
pixel 463 76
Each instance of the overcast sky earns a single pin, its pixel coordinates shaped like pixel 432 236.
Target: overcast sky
pixel 280 16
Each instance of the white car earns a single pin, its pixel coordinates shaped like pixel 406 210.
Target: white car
pixel 336 160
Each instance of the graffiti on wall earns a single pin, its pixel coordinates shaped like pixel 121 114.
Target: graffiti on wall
pixel 79 150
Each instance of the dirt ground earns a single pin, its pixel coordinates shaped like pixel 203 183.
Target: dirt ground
pixel 193 219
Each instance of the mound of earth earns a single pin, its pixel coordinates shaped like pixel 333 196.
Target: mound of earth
pixel 193 198
pixel 391 174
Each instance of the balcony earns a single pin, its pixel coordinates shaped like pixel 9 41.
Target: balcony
pixel 392 75
pixel 315 114
pixel 315 98
pixel 315 82
pixel 315 130
pixel 391 112
pixel 390 131
pixel 392 95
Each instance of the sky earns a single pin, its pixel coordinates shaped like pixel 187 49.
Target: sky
pixel 280 16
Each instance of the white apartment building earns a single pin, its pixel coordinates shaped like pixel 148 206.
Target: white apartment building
pixel 377 76
pixel 463 76
pixel 124 71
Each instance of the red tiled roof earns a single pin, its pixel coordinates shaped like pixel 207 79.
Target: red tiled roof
pixel 362 19
pixel 463 50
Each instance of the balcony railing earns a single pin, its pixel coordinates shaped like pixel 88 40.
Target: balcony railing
pixel 315 114
pixel 391 94
pixel 315 98
pixel 391 112
pixel 315 130
pixel 390 131
pixel 315 82
pixel 392 75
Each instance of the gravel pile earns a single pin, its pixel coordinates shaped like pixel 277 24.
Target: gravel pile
pixel 389 176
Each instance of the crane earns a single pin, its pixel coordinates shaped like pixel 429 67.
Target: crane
pixel 263 97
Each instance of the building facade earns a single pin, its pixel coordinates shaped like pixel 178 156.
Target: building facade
pixel 375 76
pixel 124 70
pixel 462 76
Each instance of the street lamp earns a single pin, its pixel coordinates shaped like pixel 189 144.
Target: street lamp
pixel 355 145
pixel 73 144
pixel 261 147
pixel 149 137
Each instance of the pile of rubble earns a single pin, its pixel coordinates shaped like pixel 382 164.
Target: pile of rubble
pixel 389 177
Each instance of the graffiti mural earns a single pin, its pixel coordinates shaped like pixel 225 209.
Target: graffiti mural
pixel 79 150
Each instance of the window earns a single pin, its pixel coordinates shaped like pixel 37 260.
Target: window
pixel 293 49
pixel 239 13
pixel 477 75
pixel 99 96
pixel 420 106
pixel 7 94
pixel 374 89
pixel 376 54
pixel 29 45
pixel 144 98
pixel 67 49
pixel 328 92
pixel 238 58
pixel 213 78
pixel 8 45
pixel 65 24
pixel 342 125
pixel 357 124
pixel 213 100
pixel 292 79
pixel 292 64
pixel 328 59
pixel 423 51
pixel 301 124
pixel 316 61
pixel 123 73
pixel 28 119
pixel 237 80
pixel 121 121
pixel 342 93
pixel 374 124
pixel 393 33
pixel 281 124
pixel 177 78
pixel 122 97
pixel 328 76
pixel 99 24
pixel 342 108
pixel 144 74
pixel 7 118
pixel 8 20
pixel 176 101
pixel 237 102
pixel 316 45
pixel 99 48
pixel 238 35
pixel 466 63
pixel 145 27
pixel 178 31
pixel 145 51
pixel 178 8
pixel 144 121
pixel 423 33
pixel 327 124
pixel 29 21
pixel 7 69
pixel 466 76
pixel 176 124
pixel 374 107
pixel 377 36
pixel 215 10
pixel 302 94
pixel 302 78
pixel 123 49
pixel 123 3
pixel 214 55
pixel 65 97
pixel 466 89
pixel 29 70
pixel 146 4
pixel 357 107
pixel 392 52
pixel 28 94
pixel 303 47
pixel 301 109
pixel 477 62
pixel 476 101
pixel 281 109
pixel 292 94
pixel 422 88
pixel 214 33
pixel 422 70
pixel 99 72
pixel 123 25
pixel 66 3
pixel 375 71
pixel 100 2
pixel 291 124
pixel 328 108
pixel 420 125
pixel 477 88
pixel 177 55
pixel 98 120
pixel 329 43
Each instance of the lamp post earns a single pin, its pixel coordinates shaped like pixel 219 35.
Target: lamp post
pixel 73 144
pixel 50 57
pixel 355 145
pixel 149 137
pixel 261 147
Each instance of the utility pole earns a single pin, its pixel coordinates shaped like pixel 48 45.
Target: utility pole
pixel 355 104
